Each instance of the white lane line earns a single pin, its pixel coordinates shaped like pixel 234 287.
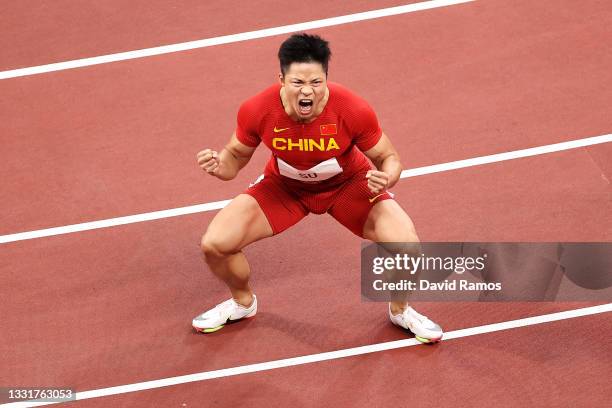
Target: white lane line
pixel 112 222
pixel 227 39
pixel 330 355
pixel 515 154
pixel 216 205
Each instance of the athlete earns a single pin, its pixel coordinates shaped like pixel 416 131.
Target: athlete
pixel 321 136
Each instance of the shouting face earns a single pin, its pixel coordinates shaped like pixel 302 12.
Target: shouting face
pixel 304 90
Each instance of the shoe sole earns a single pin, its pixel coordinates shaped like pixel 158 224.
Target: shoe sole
pixel 211 330
pixel 427 341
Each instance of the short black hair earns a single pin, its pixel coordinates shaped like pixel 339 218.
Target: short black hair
pixel 304 48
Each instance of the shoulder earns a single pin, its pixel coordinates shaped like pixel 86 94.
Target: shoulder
pixel 350 106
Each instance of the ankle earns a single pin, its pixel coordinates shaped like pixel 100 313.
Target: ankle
pixel 397 307
pixel 245 300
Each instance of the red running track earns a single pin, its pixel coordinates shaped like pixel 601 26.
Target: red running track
pixel 109 307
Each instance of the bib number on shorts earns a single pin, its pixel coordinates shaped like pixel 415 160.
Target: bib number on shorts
pixel 322 171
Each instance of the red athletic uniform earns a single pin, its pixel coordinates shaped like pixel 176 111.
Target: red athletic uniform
pixel 315 167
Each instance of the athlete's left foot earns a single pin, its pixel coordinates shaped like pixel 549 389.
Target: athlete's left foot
pixel 424 330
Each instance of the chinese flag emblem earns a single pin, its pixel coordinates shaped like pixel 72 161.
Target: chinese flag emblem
pixel 327 130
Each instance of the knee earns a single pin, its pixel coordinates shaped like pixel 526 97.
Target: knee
pixel 213 248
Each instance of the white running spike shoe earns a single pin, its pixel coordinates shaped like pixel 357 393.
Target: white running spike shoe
pixel 215 318
pixel 424 330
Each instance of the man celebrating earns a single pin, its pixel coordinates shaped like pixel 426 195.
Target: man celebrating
pixel 321 136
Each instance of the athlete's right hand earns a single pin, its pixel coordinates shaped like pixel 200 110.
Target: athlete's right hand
pixel 209 161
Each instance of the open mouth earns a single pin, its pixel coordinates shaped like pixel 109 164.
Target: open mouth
pixel 305 106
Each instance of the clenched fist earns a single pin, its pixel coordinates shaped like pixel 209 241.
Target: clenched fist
pixel 377 180
pixel 208 160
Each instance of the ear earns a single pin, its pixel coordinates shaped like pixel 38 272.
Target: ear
pixel 281 79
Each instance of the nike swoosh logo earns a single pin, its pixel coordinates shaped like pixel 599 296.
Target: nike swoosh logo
pixel 279 130
pixel 372 199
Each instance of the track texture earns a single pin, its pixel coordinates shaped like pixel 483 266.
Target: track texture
pixel 113 306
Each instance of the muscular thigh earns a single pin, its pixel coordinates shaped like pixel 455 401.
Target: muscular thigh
pixel 237 225
pixel 388 222
pixel 265 209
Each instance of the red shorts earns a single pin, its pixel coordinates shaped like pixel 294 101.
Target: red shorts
pixel 349 203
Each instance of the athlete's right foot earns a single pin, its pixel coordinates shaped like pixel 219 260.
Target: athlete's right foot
pixel 215 318
pixel 424 330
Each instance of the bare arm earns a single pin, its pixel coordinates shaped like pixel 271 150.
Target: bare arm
pixel 226 164
pixel 388 165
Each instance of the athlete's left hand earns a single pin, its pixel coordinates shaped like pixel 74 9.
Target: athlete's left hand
pixel 377 180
